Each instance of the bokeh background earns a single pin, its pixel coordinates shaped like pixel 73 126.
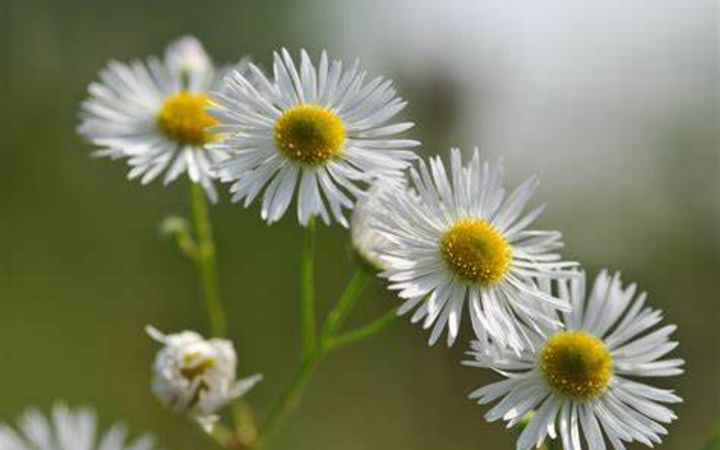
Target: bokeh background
pixel 614 104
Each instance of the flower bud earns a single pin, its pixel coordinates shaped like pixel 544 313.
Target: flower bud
pixel 367 240
pixel 188 55
pixel 196 376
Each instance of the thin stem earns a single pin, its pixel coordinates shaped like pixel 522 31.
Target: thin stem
pixel 290 397
pixel 312 353
pixel 203 251
pixel 206 261
pixel 363 332
pixel 307 292
pixel 336 318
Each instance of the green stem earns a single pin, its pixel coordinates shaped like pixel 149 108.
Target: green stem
pixel 290 397
pixel 307 292
pixel 344 306
pixel 206 261
pixel 293 393
pixel 312 353
pixel 203 252
pixel 363 332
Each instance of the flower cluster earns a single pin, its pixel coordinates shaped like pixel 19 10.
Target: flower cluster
pixel 451 240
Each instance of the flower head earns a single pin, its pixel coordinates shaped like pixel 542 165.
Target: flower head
pixel 154 115
pixel 67 429
pixel 585 377
pixel 195 375
pixel 321 129
pixel 456 239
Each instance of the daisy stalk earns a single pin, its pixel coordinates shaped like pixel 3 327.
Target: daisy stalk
pixel 315 348
pixel 307 291
pixel 198 244
pixel 342 309
pixel 206 261
pixel 361 333
pixel 244 433
pixel 196 241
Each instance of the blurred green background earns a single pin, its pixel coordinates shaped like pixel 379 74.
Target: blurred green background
pixel 614 104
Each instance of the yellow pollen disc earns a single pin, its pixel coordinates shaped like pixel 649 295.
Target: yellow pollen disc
pixel 183 117
pixel 476 251
pixel 576 364
pixel 309 134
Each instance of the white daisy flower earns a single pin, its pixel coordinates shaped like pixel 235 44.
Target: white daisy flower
pixel 323 129
pixel 584 379
pixel 460 240
pixel 67 429
pixel 197 376
pixel 154 114
pixel 365 239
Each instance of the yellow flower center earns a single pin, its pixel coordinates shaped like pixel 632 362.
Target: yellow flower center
pixel 476 251
pixel 194 365
pixel 183 117
pixel 309 134
pixel 576 364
